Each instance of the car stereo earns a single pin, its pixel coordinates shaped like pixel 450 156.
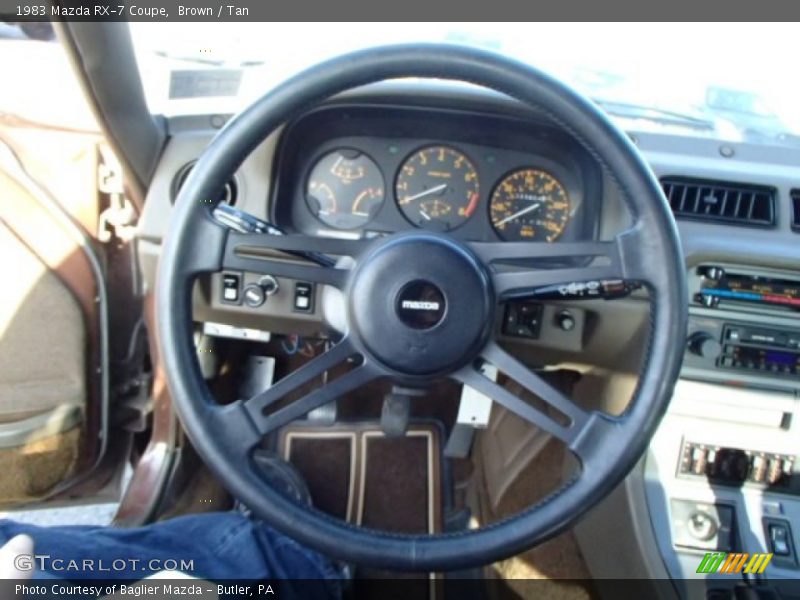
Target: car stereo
pixel 752 333
pixel 745 347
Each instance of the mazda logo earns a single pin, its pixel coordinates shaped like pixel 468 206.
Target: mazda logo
pixel 420 304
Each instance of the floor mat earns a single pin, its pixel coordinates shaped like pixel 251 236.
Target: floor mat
pixel 327 461
pixel 356 473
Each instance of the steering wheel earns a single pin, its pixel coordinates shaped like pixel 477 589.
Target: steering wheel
pixel 420 306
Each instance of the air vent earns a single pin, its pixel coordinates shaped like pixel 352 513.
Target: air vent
pixel 795 210
pixel 228 195
pixel 734 203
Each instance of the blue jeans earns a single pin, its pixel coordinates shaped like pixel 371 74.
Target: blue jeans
pixel 213 546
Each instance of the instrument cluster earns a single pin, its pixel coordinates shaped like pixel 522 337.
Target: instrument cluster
pixel 356 171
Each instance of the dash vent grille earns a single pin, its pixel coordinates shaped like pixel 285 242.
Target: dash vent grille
pixel 720 201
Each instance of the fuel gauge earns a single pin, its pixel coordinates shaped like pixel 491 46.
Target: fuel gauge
pixel 345 189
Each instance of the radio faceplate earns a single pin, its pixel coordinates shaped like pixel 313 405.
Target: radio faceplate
pixel 725 346
pixel 771 351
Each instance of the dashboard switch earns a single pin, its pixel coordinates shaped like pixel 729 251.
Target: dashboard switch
pixel 701 525
pixel 303 297
pixel 565 320
pixel 523 319
pixel 779 538
pixel 231 286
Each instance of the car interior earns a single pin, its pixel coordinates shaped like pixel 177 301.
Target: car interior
pixel 427 308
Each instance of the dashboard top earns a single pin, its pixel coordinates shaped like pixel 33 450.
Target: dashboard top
pixel 670 152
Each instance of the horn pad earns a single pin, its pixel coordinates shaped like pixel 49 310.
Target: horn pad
pixel 421 304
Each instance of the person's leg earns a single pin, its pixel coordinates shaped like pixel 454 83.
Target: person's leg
pixel 209 546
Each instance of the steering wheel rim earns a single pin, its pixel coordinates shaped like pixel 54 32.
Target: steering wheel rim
pixel 607 447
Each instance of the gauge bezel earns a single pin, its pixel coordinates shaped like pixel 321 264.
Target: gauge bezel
pixel 495 144
pixel 453 148
pixel 307 182
pixel 571 211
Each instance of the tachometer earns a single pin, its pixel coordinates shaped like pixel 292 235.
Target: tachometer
pixel 529 204
pixel 345 189
pixel 437 188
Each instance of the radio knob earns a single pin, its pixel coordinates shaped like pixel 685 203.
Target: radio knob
pixel 705 345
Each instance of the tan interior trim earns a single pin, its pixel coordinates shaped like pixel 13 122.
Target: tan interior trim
pixel 52 422
pixel 24 214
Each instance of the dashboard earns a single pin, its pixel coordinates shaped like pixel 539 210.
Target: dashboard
pixel 374 162
pixel 364 171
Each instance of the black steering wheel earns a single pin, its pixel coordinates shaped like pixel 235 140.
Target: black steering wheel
pixel 420 306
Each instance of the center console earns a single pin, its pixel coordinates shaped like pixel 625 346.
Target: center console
pixel 722 473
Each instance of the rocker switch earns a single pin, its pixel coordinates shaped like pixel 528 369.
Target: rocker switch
pixel 303 297
pixel 231 287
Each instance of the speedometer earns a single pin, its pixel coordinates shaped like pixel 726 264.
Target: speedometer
pixel 529 204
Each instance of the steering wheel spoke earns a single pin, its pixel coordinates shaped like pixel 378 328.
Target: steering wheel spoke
pixel 580 430
pixel 563 269
pixel 341 354
pixel 569 419
pixel 273 255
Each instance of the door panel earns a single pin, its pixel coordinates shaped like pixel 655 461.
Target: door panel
pixel 42 373
pixel 49 345
pixel 42 339
pixel 72 360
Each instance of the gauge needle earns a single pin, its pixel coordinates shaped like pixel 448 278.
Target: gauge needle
pixel 517 214
pixel 433 190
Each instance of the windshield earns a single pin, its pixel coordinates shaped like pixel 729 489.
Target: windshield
pixel 732 81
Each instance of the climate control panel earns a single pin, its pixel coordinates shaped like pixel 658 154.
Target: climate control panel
pixel 736 467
